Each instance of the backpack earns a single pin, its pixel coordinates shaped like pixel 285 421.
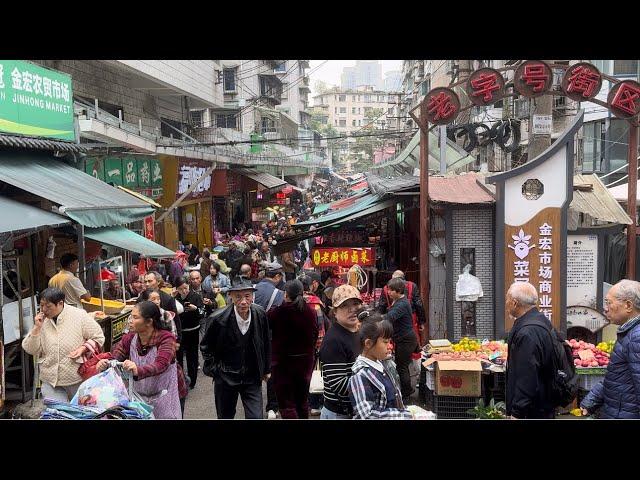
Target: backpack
pixel 564 382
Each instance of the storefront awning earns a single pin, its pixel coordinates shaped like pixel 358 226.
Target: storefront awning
pixel 140 196
pixel 267 180
pixel 321 208
pixel 363 203
pixel 17 217
pixel 85 199
pixel 124 238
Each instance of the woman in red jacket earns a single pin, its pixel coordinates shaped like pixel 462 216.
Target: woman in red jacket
pixel 294 330
pixel 148 352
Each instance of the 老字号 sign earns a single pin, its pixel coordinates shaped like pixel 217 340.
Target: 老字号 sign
pixel 343 257
pixel 35 101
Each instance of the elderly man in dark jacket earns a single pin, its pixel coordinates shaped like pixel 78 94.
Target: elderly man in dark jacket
pixel 237 353
pixel 530 363
pixel 618 395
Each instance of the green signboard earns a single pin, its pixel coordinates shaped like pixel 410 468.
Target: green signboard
pixel 35 101
pixel 113 170
pixel 130 171
pixel 95 168
pixel 156 173
pixel 144 173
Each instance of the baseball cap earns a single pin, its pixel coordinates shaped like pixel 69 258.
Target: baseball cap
pixel 343 293
pixel 273 267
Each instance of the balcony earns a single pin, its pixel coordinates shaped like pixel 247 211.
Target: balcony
pixel 173 78
pixel 271 89
pixel 304 86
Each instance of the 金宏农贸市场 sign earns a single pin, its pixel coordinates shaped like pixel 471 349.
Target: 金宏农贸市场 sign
pixel 35 101
pixel 343 257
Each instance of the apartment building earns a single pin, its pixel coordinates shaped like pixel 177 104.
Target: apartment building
pixel 346 110
pixel 363 73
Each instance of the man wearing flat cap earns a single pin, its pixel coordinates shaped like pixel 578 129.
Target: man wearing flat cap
pixel 237 353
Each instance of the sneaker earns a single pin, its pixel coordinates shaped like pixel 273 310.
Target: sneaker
pixel 271 415
pixel 315 412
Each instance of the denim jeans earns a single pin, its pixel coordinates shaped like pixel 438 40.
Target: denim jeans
pixel 326 414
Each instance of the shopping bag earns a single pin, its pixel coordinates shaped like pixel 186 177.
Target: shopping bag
pixel 104 390
pixel 220 301
pixel 317 384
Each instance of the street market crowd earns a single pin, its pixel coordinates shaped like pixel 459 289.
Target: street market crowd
pixel 258 317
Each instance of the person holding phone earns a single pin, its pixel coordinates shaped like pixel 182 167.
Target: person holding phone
pixel 57 339
pixel 193 305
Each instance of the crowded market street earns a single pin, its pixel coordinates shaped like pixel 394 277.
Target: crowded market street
pixel 174 245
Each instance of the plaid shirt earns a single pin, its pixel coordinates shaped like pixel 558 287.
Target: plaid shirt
pixel 369 396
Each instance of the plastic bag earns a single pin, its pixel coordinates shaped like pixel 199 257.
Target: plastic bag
pixel 468 287
pixel 104 390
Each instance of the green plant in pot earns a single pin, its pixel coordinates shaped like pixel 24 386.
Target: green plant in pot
pixel 491 411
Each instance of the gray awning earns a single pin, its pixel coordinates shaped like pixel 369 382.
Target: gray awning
pixel 87 200
pixel 19 141
pixel 265 179
pixel 18 217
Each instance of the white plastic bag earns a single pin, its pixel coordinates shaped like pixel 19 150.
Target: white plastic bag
pixel 468 287
pixel 103 391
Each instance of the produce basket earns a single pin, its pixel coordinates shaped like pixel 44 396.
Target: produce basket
pixel 111 307
pixel 446 407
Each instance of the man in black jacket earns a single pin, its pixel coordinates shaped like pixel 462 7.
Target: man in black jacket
pixel 530 362
pixel 193 305
pixel 237 352
pixel 413 295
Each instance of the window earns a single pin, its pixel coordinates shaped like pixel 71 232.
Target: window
pixel 359 123
pixel 367 110
pixel 197 118
pixel 225 120
pixel 342 98
pixel 358 110
pixel 281 67
pixel 359 98
pixel 343 122
pixel 532 189
pixel 230 79
pixel 343 109
pixel 335 122
pixel 593 139
pixel 285 93
pixel 617 143
pixel 353 98
pixel 625 67
pixel 167 131
pixel 367 98
pixel 353 110
pixel 353 123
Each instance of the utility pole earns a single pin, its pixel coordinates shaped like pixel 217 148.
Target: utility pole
pixel 632 198
pixel 425 219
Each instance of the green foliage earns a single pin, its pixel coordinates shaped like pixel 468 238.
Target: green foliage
pixel 492 411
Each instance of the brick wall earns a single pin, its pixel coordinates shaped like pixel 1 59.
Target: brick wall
pixel 474 229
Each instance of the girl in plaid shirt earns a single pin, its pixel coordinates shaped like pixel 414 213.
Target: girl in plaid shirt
pixel 373 391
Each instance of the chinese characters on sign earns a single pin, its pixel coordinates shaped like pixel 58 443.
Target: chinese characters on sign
pixel 543 276
pixel 624 99
pixel 582 270
pixel 35 101
pixel 533 78
pixel 149 227
pixel 343 257
pixel 485 86
pixel 443 106
pixel 188 174
pixel 581 82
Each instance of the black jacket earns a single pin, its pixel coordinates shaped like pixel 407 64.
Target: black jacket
pixel 191 318
pixel 213 347
pixel 530 367
pixel 416 302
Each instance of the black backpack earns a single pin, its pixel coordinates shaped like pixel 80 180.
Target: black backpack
pixel 564 382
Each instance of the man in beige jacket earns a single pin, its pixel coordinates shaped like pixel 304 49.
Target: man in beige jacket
pixel 57 339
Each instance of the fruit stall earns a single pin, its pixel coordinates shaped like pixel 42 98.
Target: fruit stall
pixel 456 378
pixel 591 363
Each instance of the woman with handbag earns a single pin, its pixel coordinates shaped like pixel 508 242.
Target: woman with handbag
pixel 148 352
pixel 294 330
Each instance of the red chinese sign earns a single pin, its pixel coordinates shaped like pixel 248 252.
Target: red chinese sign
pixel 343 257
pixel 533 78
pixel 443 106
pixel 485 87
pixel 624 99
pixel 581 82
pixel 149 228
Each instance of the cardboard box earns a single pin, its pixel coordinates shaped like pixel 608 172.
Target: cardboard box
pixel 438 346
pixel 459 378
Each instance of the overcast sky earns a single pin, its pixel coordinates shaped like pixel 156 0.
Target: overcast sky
pixel 330 71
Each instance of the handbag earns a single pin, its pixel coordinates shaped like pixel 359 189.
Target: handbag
pixel 317 384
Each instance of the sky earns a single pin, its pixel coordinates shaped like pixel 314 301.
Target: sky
pixel 330 71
